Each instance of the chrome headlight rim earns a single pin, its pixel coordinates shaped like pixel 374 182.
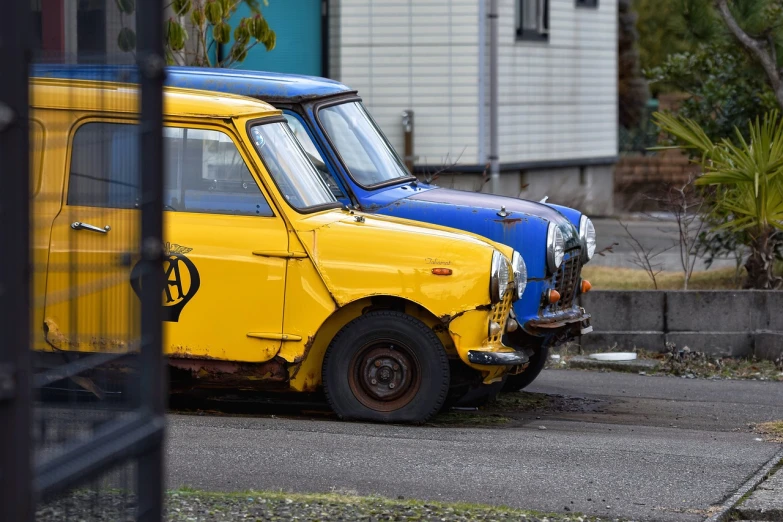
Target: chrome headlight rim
pixel 555 247
pixel 520 274
pixel 499 277
pixel 587 237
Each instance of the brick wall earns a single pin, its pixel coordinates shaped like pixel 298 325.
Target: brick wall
pixel 670 166
pixel 637 178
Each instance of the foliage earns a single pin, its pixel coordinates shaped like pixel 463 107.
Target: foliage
pixel 745 177
pixel 632 86
pixel 724 90
pixel 209 22
pixel 662 32
pixel 749 28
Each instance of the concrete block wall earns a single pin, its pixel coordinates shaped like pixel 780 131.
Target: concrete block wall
pixel 727 323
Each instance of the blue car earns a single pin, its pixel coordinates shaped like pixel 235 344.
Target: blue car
pixel 364 172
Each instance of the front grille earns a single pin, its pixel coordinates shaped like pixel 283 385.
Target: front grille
pixel 500 314
pixel 567 280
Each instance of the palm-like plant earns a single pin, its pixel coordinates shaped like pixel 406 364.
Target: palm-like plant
pixel 747 181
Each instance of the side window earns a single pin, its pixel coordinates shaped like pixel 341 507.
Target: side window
pixel 104 173
pixel 204 171
pixel 312 152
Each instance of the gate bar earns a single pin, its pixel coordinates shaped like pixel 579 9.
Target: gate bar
pixel 16 494
pixel 151 63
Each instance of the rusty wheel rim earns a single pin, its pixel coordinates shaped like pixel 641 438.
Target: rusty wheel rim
pixel 384 375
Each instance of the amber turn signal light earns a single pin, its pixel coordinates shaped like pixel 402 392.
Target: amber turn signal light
pixel 553 296
pixel 441 271
pixel 586 286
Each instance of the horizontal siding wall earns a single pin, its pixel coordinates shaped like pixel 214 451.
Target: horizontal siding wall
pixel 558 98
pixel 413 54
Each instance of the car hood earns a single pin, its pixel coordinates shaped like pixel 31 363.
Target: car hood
pixel 359 254
pixel 515 208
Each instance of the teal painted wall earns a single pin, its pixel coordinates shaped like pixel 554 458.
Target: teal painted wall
pixel 297 24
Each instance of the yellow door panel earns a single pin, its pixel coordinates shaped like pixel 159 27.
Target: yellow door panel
pixel 222 301
pixel 90 305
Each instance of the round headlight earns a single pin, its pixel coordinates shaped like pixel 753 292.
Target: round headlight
pixel 520 273
pixel 587 236
pixel 555 247
pixel 499 276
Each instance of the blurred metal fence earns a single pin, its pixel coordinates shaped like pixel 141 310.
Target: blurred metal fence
pixel 640 139
pixel 82 387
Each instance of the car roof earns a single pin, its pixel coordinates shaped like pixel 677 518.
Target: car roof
pixel 268 86
pixel 88 95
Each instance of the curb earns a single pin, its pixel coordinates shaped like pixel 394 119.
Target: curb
pixel 728 505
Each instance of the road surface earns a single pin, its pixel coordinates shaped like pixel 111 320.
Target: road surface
pixel 659 235
pixel 642 448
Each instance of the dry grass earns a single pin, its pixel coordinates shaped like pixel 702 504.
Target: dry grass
pixel 613 278
pixel 772 431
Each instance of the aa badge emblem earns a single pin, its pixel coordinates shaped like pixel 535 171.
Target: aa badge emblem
pixel 180 279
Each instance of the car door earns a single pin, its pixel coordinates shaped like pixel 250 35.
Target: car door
pixel 89 305
pixel 220 300
pixel 226 251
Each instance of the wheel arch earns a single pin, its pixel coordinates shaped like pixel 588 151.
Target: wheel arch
pixel 306 375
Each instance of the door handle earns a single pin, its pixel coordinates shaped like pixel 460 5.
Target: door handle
pixel 78 225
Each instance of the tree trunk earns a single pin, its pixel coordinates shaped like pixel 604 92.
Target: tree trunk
pixel 763 51
pixel 761 262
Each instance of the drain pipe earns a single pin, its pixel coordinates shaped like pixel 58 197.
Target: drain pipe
pixel 482 83
pixel 494 160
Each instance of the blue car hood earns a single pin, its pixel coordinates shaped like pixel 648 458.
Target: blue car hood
pixel 515 208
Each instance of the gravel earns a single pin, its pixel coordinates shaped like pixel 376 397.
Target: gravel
pixel 190 506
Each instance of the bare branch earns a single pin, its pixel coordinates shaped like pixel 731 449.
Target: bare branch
pixel 757 47
pixel 644 257
pixel 445 166
pixel 607 250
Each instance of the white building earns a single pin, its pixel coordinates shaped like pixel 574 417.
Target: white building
pixel 557 81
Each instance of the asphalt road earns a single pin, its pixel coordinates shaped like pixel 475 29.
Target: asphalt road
pixel 658 235
pixel 642 448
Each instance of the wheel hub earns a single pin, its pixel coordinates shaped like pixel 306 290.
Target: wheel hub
pixel 385 376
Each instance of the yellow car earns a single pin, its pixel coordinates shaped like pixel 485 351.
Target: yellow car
pixel 269 282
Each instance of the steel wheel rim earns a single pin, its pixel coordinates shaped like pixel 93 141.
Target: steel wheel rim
pixel 384 375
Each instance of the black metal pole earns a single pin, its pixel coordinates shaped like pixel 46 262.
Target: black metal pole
pixel 325 38
pixel 16 480
pixel 149 28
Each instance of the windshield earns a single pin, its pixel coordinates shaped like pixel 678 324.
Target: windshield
pixel 293 173
pixel 367 155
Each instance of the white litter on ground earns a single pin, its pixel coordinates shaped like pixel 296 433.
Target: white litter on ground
pixel 613 356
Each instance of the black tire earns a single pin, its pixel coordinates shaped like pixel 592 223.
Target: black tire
pixel 386 366
pixel 538 360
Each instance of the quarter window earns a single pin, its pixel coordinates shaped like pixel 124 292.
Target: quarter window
pixel 312 154
pixel 203 171
pixel 293 173
pixel 532 19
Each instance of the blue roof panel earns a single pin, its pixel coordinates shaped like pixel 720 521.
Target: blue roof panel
pixel 263 85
